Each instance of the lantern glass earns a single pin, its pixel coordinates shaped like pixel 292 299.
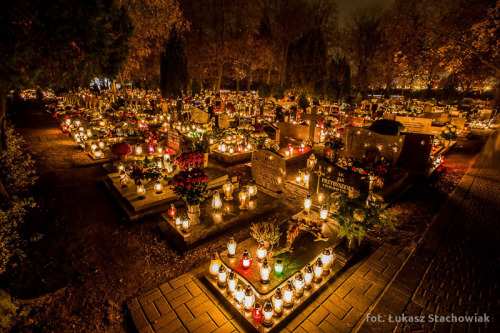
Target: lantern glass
pixel 324 212
pixel 318 268
pixel 141 191
pixel 252 189
pixel 186 223
pixel 246 260
pixel 138 149
pixel 257 312
pixel 232 281
pixel 306 179
pixel 278 300
pixel 158 187
pixel 268 311
pixel 215 264
pixel 288 294
pixel 216 201
pixel 261 251
pixel 307 203
pixel 278 267
pixel 264 272
pixel 222 274
pixel 308 275
pixel 327 258
pixel 249 298
pixel 239 294
pixel 231 247
pixel 228 189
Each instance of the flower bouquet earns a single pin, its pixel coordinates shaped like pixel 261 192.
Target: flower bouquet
pixel 449 132
pixel 190 185
pixel 122 149
pixel 189 159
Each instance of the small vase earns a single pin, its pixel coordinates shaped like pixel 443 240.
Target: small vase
pixel 352 244
pixel 194 213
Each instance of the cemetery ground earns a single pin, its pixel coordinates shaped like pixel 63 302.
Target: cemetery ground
pixel 91 261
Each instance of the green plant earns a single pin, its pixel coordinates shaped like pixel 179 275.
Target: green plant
pixel 356 216
pixel 266 232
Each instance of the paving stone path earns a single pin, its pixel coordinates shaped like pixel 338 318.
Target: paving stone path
pixel 456 271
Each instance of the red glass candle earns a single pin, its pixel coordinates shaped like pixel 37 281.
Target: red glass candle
pixel 246 260
pixel 172 212
pixel 257 312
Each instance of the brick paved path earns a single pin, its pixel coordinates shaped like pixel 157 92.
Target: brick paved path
pixel 457 273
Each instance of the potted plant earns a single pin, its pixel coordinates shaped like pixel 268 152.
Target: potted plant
pixel 122 149
pixel 191 185
pixel 449 132
pixel 356 216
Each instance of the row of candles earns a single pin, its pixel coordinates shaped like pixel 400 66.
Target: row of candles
pixel 284 297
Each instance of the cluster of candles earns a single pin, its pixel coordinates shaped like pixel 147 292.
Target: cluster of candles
pixel 303 178
pixel 223 148
pixel 97 148
pixel 228 188
pixel 323 213
pixel 284 297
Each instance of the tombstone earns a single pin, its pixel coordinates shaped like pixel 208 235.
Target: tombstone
pixel 360 140
pixel 327 178
pixel 415 125
pixel 173 138
pixel 389 116
pixel 358 121
pixel 272 131
pixel 223 120
pixel 268 170
pixel 198 116
pixel 416 152
pixel 485 115
pixel 459 122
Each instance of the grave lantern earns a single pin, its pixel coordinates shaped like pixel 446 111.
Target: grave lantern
pixel 215 263
pixel 324 212
pixel 98 153
pixel 327 259
pixel 222 148
pixel 318 270
pixel 211 141
pixel 221 282
pixel 239 294
pixel 141 191
pixel 278 267
pixel 261 251
pixel 120 168
pixel 178 222
pixel 123 178
pixel 252 188
pixel 311 161
pixel 308 276
pixel 232 281
pixel 160 150
pixel 231 150
pixel 306 179
pixel 246 260
pixel 244 199
pixel 138 149
pixel 172 211
pixel 307 203
pixel 278 303
pixel 264 272
pixel 166 157
pixel 257 312
pixel 93 146
pixel 101 144
pixel 216 201
pixel 249 299
pixel 158 187
pixel 160 165
pixel 288 294
pixel 228 189
pixel 186 224
pixel 268 313
pixel 231 248
pixel 77 123
pixel 299 283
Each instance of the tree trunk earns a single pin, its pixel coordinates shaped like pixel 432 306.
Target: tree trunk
pixel 237 85
pixel 219 77
pixel 495 104
pixel 283 68
pixel 268 80
pixel 3 120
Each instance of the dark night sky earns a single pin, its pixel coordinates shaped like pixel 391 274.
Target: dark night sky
pixel 347 6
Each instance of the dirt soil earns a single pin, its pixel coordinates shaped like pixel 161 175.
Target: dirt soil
pixel 92 260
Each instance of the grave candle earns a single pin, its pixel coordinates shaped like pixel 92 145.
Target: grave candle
pixel 231 248
pixel 288 295
pixel 307 203
pixel 141 191
pixel 222 276
pixel 264 272
pixel 298 283
pixel 327 259
pixel 138 149
pixel 186 223
pixel 172 211
pixel 239 294
pixel 93 146
pixel 158 187
pixel 101 144
pixel 252 188
pixel 268 312
pixel 246 260
pixel 98 153
pixel 231 282
pixel 278 302
pixel 306 179
pixel 244 199
pixel 215 263
pixel 249 299
pixel 257 312
pixel 308 276
pixel 123 179
pixel 178 222
pixel 120 167
pixel 261 251
pixel 318 269
pixel 324 212
pixel 216 201
pixel 278 267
